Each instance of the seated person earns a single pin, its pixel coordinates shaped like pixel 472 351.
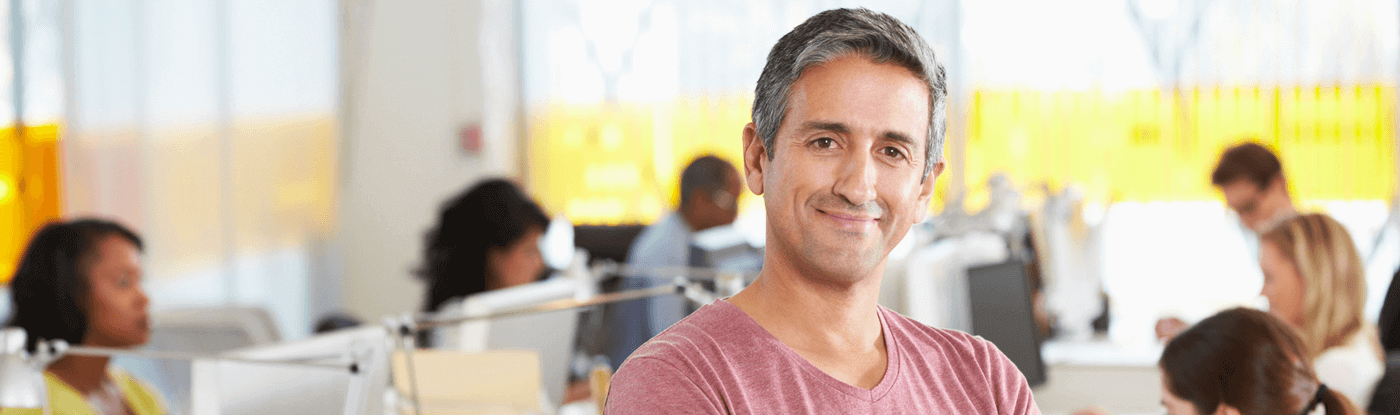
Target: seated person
pixel 80 281
pixel 1244 362
pixel 1314 281
pixel 709 198
pixel 845 147
pixel 1250 177
pixel 487 238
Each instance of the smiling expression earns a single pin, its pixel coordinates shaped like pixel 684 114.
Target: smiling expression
pixel 845 181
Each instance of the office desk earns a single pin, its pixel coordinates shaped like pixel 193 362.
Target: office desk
pixel 1124 380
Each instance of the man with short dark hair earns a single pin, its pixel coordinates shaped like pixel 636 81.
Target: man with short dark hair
pixel 709 191
pixel 1251 178
pixel 845 145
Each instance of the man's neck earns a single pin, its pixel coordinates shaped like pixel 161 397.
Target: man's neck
pixel 1283 211
pixel 83 373
pixel 810 314
pixel 834 326
pixel 692 220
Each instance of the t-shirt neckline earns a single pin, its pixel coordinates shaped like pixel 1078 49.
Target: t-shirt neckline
pixel 892 365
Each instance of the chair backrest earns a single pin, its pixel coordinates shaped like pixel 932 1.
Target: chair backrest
pixel 1389 320
pixel 1386 398
pixel 607 242
pixel 213 329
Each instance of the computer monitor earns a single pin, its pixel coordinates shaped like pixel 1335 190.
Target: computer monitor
pixel 550 334
pixel 1000 297
pixel 225 387
pixel 725 248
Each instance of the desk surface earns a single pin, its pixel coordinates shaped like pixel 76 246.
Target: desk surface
pixel 1100 352
pixel 1122 379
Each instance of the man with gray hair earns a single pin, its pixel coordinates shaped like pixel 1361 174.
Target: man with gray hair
pixel 845 145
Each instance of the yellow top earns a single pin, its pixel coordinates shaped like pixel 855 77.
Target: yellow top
pixel 140 398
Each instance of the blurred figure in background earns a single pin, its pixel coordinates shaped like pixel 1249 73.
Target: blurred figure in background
pixel 1314 281
pixel 80 281
pixel 709 191
pixel 1244 361
pixel 486 238
pixel 1250 177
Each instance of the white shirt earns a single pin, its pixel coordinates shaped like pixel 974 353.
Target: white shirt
pixel 1354 367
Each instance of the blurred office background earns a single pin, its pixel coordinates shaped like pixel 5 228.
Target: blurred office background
pixel 291 155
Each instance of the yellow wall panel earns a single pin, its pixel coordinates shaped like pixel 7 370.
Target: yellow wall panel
pixel 1337 142
pixel 30 192
pixel 619 163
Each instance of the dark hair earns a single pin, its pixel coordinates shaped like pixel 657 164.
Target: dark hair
pixel 51 281
pixel 707 174
pixel 492 214
pixel 1247 359
pixel 336 321
pixel 1248 160
pixel 835 33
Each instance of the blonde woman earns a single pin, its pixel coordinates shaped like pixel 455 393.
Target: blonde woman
pixel 1314 281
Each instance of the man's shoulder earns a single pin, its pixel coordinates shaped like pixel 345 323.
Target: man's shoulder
pixel 658 242
pixel 682 364
pixel 940 356
pixel 920 331
pixel 955 346
pixel 711 329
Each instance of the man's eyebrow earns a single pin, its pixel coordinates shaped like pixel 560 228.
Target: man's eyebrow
pixel 834 127
pixel 899 137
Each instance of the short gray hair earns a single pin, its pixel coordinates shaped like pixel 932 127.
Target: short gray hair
pixel 835 33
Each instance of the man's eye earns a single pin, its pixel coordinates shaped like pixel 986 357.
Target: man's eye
pixel 893 152
pixel 824 142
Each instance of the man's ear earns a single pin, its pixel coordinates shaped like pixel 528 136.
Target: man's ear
pixel 755 159
pixel 926 190
pixel 1278 183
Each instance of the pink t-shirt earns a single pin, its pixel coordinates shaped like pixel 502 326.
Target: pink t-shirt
pixel 720 361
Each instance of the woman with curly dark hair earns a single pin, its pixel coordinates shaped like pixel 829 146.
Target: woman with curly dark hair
pixel 80 281
pixel 486 238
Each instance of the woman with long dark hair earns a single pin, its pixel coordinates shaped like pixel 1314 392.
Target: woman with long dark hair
pixel 1244 362
pixel 486 238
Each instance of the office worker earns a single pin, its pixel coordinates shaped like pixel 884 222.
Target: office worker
pixel 709 191
pixel 1250 177
pixel 1244 362
pixel 80 281
pixel 486 238
pixel 844 149
pixel 1314 281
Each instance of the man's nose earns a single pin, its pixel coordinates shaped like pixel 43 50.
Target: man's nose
pixel 855 178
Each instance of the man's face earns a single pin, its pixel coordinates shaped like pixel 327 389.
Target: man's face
pixel 1248 200
pixel 844 185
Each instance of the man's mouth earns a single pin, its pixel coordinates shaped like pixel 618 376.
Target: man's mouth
pixel 851 221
